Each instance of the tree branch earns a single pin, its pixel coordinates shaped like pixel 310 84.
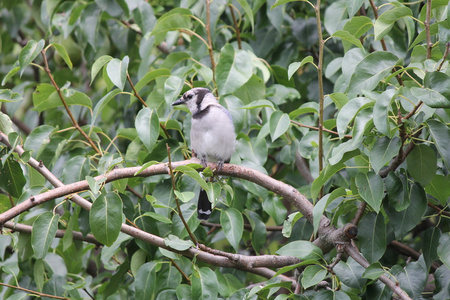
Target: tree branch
pixel 354 253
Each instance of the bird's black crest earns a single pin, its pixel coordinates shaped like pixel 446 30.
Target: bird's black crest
pixel 201 93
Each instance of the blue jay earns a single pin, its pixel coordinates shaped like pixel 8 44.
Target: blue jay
pixel 212 135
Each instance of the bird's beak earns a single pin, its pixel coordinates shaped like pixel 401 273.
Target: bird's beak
pixel 178 102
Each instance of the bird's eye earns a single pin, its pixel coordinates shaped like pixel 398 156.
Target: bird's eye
pixel 189 96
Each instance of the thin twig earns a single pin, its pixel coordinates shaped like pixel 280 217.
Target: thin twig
pixel 236 26
pixel 447 47
pixel 208 34
pixel 72 118
pixel 180 213
pixel 181 271
pixel 427 29
pixel 32 292
pixel 317 128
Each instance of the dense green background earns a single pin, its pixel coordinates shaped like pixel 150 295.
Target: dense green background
pixel 376 76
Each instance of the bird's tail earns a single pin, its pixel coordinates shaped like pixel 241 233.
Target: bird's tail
pixel 204 207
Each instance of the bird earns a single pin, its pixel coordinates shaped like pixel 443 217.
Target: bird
pixel 213 138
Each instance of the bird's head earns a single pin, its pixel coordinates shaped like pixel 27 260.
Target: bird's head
pixel 196 99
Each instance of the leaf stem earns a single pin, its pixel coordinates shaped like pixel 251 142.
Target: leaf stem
pixel 427 29
pixel 208 35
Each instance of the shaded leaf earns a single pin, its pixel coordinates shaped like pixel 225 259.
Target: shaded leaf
pixel 279 123
pixel 29 53
pixel 422 164
pixel 43 233
pixel 98 65
pixel 105 218
pixel 176 243
pixel 440 133
pixel 117 71
pixel 371 188
pixel 232 226
pixel 312 275
pixel 347 36
pixel 147 126
pixel 293 67
pixel 383 151
pixel 372 235
pixel 63 53
pixel 387 19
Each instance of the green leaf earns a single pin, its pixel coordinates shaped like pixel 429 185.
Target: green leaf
pixel 279 123
pixel 430 97
pixel 371 70
pixel 29 53
pixel 63 53
pixel 440 133
pixel 176 243
pixel 423 35
pixel 350 273
pixel 232 226
pixel 185 196
pixel 431 238
pixel 147 126
pixel 117 71
pixel 312 275
pixel 145 281
pixel 442 249
pixel 329 171
pixel 172 88
pixel 11 73
pixel 408 218
pixel 387 19
pixel 11 177
pixel 98 65
pixel 150 76
pixel 412 279
pixel 105 218
pixel 439 82
pixel 439 188
pixel 381 109
pixel 204 284
pixel 76 169
pixel 258 104
pixel 370 187
pixel 175 19
pixel 9 96
pixel 193 174
pixel 353 6
pixel 321 205
pixel 38 139
pixel 248 12
pixel 303 250
pixel 347 36
pixel 102 103
pixel 233 70
pixel 280 2
pixel 6 125
pixel 348 112
pixel 372 236
pixel 158 217
pixel 422 164
pixel 45 97
pixel 383 151
pixel 205 72
pixel 293 67
pixel 374 271
pixel 43 233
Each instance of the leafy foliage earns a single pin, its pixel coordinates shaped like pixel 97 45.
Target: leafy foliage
pixel 345 102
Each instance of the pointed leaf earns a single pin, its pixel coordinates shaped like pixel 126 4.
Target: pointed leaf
pixel 176 243
pixel 233 226
pixel 11 177
pixel 387 19
pixel 422 164
pixel 117 71
pixel 279 123
pixel 204 284
pixel 7 95
pixel 105 218
pixel 233 70
pixel 297 65
pixel 303 250
pixel 347 36
pixel 147 126
pixel 383 151
pixel 194 175
pixel 43 233
pixel 442 249
pixel 371 70
pixel 98 65
pixel 440 133
pixel 312 275
pixel 145 281
pixel 371 188
pixel 29 53
pixel 372 235
pixel 248 12
pixel 63 53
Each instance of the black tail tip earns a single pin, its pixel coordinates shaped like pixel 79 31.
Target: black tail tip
pixel 204 207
